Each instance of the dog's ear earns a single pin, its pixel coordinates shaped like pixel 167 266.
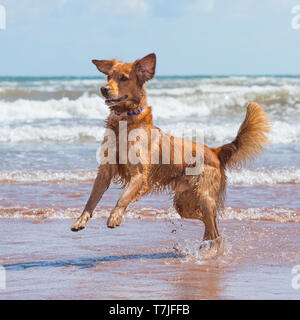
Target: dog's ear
pixel 145 67
pixel 104 66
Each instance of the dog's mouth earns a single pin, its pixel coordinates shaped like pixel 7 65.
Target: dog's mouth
pixel 111 102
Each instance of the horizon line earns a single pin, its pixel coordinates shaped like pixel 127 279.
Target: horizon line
pixel 160 75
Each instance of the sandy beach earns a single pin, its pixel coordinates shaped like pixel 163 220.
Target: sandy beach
pixel 138 261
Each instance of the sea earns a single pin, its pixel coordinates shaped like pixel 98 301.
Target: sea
pixel 50 132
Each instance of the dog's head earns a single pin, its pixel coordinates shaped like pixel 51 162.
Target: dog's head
pixel 125 81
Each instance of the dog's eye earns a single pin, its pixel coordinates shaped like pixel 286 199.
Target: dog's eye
pixel 123 78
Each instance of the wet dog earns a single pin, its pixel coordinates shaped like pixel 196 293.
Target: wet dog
pixel 198 194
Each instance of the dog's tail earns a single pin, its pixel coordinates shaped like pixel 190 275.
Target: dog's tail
pixel 249 140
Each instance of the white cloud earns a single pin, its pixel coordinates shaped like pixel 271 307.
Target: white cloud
pixel 32 8
pixel 200 6
pixel 121 7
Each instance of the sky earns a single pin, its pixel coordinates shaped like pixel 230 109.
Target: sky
pixel 191 37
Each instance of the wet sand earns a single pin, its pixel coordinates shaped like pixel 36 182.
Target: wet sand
pixel 147 259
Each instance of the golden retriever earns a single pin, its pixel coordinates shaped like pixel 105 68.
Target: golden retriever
pixel 197 195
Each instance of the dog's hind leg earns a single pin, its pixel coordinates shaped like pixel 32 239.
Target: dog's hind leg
pixel 130 194
pixel 211 233
pixel 209 213
pixel 193 206
pixel 211 230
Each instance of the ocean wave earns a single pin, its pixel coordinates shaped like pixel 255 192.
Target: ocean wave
pixel 235 177
pixel 217 106
pixel 168 103
pixel 216 134
pixel 281 215
pixel 43 94
pixel 28 110
pixel 47 176
pixel 225 101
pixel 211 133
pixel 50 85
pixel 281 132
pixel 264 177
pixel 58 133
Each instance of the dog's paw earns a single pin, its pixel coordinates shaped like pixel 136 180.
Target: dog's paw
pixel 76 227
pixel 211 244
pixel 80 223
pixel 114 221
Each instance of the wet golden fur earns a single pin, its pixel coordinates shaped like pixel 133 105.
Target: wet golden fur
pixel 195 196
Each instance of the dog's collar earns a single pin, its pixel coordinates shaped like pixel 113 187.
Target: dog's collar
pixel 133 113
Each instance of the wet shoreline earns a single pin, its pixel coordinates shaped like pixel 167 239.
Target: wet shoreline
pixel 147 259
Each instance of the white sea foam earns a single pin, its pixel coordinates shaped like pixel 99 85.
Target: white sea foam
pixel 268 177
pixel 265 214
pixel 205 100
pixel 261 214
pixel 59 133
pixel 214 134
pixel 47 176
pixel 235 177
pixel 31 110
pixel 28 120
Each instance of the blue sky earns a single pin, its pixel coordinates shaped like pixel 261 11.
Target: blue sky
pixel 60 37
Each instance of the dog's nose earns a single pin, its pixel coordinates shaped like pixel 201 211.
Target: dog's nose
pixel 104 91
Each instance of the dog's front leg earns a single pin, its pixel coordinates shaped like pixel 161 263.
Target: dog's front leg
pixel 101 184
pixel 129 195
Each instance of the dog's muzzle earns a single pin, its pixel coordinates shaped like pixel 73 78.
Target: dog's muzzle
pixel 110 102
pixel 105 91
